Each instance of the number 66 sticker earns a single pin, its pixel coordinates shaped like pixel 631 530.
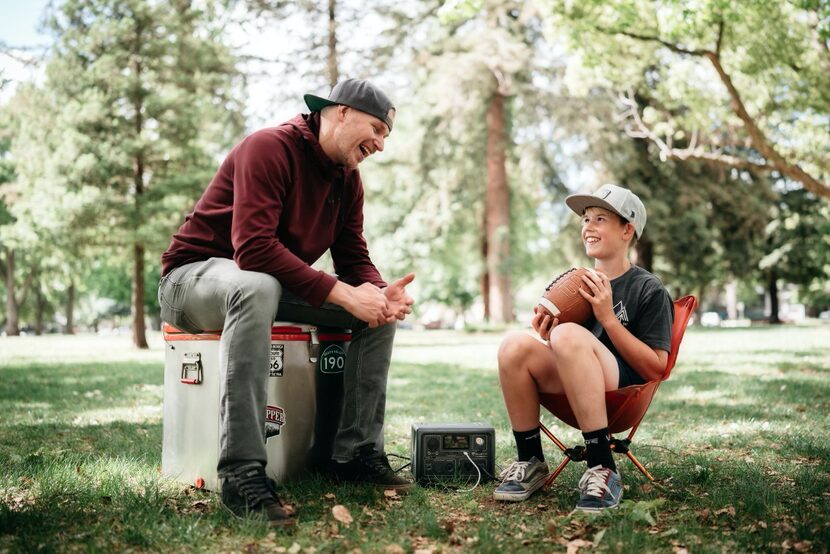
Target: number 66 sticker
pixel 277 360
pixel 333 359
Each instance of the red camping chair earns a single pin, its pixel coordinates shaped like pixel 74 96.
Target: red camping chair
pixel 626 407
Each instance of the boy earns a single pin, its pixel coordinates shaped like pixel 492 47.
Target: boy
pixel 626 342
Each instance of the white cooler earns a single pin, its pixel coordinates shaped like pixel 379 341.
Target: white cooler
pixel 303 409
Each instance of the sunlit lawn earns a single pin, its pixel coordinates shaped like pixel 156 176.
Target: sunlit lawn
pixel 737 440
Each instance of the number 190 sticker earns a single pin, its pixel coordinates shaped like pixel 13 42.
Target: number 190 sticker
pixel 277 360
pixel 333 359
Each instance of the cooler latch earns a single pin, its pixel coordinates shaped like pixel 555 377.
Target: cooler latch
pixel 313 346
pixel 192 368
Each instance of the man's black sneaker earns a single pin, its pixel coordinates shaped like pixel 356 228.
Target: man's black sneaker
pixel 248 492
pixel 370 466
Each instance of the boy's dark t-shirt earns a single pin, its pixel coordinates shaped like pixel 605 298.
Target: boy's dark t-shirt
pixel 644 307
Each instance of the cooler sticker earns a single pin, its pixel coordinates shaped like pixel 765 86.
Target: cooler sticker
pixel 333 359
pixel 277 360
pixel 274 420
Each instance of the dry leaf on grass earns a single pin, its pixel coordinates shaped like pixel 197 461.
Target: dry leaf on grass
pixel 575 545
pixel 729 510
pixel 390 493
pixel 801 546
pixel 329 496
pixel 341 514
pixel 551 526
pixel 394 549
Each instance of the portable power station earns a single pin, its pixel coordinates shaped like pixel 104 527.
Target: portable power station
pixel 448 451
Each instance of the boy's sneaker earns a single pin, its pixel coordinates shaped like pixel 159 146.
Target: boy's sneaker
pixel 599 489
pixel 248 492
pixel 521 479
pixel 372 467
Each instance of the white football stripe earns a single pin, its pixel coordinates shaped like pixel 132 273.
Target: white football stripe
pixel 551 307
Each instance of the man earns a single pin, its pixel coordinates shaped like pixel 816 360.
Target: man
pixel 282 197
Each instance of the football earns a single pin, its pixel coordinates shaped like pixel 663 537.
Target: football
pixel 562 299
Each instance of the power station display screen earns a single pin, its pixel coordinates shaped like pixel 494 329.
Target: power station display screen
pixel 456 442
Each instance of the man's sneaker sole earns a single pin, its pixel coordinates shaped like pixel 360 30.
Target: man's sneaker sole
pixel 401 487
pixel 520 496
pixel 287 523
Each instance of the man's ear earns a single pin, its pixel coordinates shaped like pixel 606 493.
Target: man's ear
pixel 628 231
pixel 341 112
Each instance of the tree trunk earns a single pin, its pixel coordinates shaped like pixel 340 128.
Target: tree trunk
pixel 139 330
pixel 12 312
pixel 772 290
pixel 497 213
pixel 334 75
pixel 485 276
pixel 40 308
pixel 644 250
pixel 731 299
pixel 70 309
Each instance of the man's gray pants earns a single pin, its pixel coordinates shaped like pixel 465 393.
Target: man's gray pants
pixel 216 294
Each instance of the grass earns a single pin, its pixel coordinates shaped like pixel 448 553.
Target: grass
pixel 737 440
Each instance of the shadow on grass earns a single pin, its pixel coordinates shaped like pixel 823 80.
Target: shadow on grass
pixel 74 387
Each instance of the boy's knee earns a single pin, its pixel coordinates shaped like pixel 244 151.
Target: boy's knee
pixel 567 338
pixel 513 348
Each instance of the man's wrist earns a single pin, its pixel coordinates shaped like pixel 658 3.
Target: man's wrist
pixel 341 294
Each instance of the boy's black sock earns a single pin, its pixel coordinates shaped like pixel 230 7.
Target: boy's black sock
pixel 599 449
pixel 529 444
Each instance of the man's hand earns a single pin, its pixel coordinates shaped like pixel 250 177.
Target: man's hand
pixel 366 302
pixel 399 302
pixel 369 305
pixel 600 297
pixel 543 323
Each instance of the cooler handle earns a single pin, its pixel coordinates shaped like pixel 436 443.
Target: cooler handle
pixel 313 346
pixel 192 363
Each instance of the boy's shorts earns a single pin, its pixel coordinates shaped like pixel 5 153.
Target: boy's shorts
pixel 627 375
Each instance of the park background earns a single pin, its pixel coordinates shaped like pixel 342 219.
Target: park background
pixel 114 115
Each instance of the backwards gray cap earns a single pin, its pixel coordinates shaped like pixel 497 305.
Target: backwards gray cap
pixel 361 95
pixel 616 199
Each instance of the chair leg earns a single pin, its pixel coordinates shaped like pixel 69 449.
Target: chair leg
pixel 552 437
pixel 552 477
pixel 639 466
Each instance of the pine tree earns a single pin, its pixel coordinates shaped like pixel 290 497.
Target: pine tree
pixel 149 98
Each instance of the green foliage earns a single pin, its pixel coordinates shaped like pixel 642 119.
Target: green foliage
pixel 436 159
pixel 149 97
pixel 799 244
pixel 775 52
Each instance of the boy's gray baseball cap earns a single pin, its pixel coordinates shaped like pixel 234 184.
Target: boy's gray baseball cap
pixel 615 199
pixel 357 94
